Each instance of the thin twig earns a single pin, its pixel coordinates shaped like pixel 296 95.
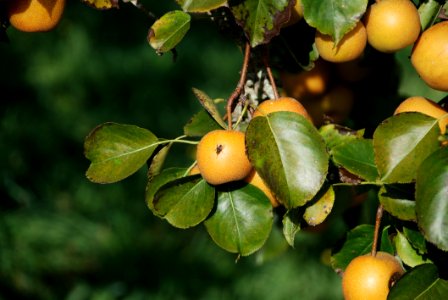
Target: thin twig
pixel 379 215
pixel 269 72
pixel 239 87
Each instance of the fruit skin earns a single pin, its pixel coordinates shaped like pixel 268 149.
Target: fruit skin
pixel 424 106
pixel 368 277
pixel 392 25
pixel 281 104
pixel 255 179
pixel 221 156
pixel 429 56
pixel 349 48
pixel 35 15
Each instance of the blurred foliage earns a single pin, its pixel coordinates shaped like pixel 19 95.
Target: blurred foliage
pixel 63 237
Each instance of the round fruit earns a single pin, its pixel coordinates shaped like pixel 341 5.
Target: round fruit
pixel 392 25
pixel 281 104
pixel 194 170
pixel 35 15
pixel 349 48
pixel 221 156
pixel 306 83
pixel 255 179
pixel 337 103
pixel 369 277
pixel 424 106
pixel 429 56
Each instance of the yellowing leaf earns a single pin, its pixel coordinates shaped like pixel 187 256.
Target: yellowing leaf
pixel 101 4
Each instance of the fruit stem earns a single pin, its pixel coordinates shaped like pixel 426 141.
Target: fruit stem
pixel 240 85
pixel 379 215
pixel 269 72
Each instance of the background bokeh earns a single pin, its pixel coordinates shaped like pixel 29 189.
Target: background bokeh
pixel 63 237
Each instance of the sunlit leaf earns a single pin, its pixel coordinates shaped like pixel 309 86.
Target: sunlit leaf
pixel 422 282
pixel 169 30
pixel 334 17
pixel 102 4
pixel 116 151
pixel 200 124
pixel 401 143
pixel 431 198
pixel 261 19
pixel 289 154
pixel 200 6
pixel 406 252
pixel 316 213
pixel 335 134
pixel 242 220
pixel 397 203
pixel 209 106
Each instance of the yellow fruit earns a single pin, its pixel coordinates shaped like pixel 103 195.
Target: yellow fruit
pixel 194 170
pixel 424 106
pixel 369 277
pixel 337 103
pixel 221 156
pixel 296 14
pixel 349 48
pixel 35 15
pixel 429 56
pixel 392 25
pixel 255 179
pixel 281 104
pixel 306 83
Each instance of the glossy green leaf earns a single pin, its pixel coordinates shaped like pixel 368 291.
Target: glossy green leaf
pixel 397 203
pixel 242 220
pixel 356 156
pixel 334 17
pixel 209 105
pixel 169 30
pixel 429 12
pixel 386 244
pixel 316 213
pixel 200 6
pixel 289 154
pixel 261 20
pixel 101 4
pixel 416 238
pixel 401 143
pixel 291 225
pixel 157 160
pixel 431 198
pixel 406 252
pixel 200 124
pixel 335 134
pixel 116 151
pixel 185 202
pixel 422 282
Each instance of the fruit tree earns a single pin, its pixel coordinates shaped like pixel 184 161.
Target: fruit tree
pixel 301 138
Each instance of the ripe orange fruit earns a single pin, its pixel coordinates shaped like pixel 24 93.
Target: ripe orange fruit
pixel 349 48
pixel 369 277
pixel 424 106
pixel 429 56
pixel 255 179
pixel 221 156
pixel 392 25
pixel 281 104
pixel 35 15
pixel 306 83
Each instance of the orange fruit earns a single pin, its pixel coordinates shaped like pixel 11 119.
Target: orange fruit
pixel 194 170
pixel 221 156
pixel 392 25
pixel 35 15
pixel 255 179
pixel 368 277
pixel 349 48
pixel 424 106
pixel 429 56
pixel 281 104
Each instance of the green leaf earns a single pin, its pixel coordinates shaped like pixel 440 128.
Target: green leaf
pixel 185 202
pixel 416 238
pixel 209 106
pixel 429 12
pixel 101 4
pixel 261 19
pixel 431 198
pixel 357 156
pixel 169 30
pixel 157 160
pixel 406 252
pixel 200 6
pixel 289 154
pixel 316 213
pixel 291 225
pixel 334 17
pixel 397 203
pixel 200 124
pixel 386 242
pixel 242 220
pixel 116 151
pixel 335 134
pixel 422 282
pixel 401 143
